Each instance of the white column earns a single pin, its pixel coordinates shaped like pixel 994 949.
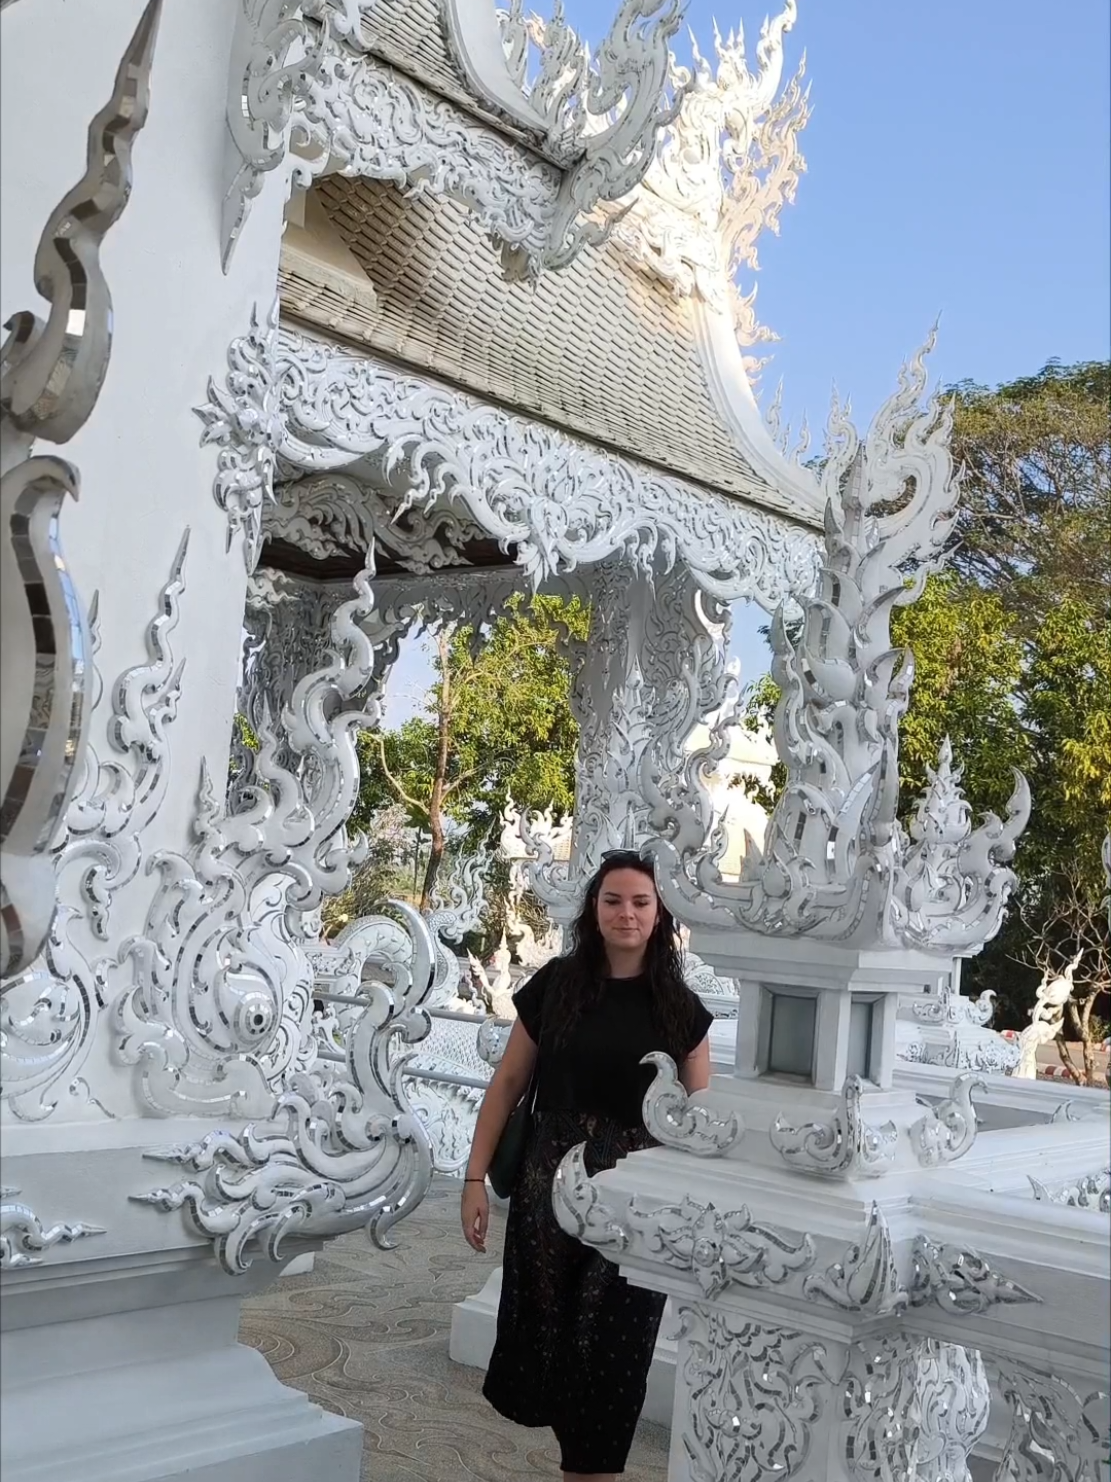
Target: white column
pixel 653 668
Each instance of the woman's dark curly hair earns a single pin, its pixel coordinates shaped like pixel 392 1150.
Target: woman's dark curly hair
pixel 581 972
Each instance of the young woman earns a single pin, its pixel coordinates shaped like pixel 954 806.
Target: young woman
pixel 575 1340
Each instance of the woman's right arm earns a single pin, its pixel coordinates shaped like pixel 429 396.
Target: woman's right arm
pixel 510 1082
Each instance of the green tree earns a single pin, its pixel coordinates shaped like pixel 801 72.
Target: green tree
pixel 1035 519
pixel 497 722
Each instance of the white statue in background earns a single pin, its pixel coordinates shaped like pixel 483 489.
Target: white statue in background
pixel 1047 1018
pixel 499 993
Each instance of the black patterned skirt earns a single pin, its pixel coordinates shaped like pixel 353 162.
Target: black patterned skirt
pixel 575 1340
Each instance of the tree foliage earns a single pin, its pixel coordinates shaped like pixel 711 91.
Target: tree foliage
pixel 497 723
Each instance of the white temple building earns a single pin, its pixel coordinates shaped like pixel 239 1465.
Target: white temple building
pixel 353 316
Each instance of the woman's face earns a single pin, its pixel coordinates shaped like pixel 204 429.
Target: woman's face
pixel 627 910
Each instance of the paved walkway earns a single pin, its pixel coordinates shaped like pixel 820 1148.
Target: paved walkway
pixel 366 1335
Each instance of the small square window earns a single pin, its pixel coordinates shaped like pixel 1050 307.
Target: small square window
pixel 861 1013
pixel 791 1042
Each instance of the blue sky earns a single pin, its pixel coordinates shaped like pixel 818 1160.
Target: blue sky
pixel 959 161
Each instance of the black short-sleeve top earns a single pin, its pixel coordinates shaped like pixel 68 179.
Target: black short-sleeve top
pixel 597 1067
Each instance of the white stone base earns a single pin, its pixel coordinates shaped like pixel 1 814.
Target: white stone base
pixel 130 1371
pixel 474 1324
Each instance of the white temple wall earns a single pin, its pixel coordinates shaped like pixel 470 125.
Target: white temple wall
pixel 174 315
pixel 145 476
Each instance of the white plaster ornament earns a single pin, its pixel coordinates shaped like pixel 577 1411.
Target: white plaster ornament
pixel 24 1239
pixel 675 1121
pixel 511 477
pixel 842 1147
pixel 835 864
pixel 50 1012
pixel 51 375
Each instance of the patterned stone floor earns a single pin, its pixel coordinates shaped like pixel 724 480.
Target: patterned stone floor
pixel 366 1335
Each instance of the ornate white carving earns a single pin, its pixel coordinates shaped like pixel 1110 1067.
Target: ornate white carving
pixel 1047 1018
pixel 774 1378
pixel 276 51
pixel 676 1122
pixel 866 1278
pixel 717 1248
pixel 911 1407
pixel 701 979
pixel 334 1154
pixel 953 885
pixel 959 1281
pixel 458 904
pixel 50 1012
pixel 1057 1433
pixel 24 1238
pixel 369 121
pixel 948 1131
pixel 333 514
pixel 242 418
pixel 222 993
pixel 493 1036
pixel 653 667
pixel 513 476
pixel 1093 1191
pixel 892 1407
pixel 726 167
pixel 835 864
pixel 50 379
pixel 287 635
pixel 843 1147
pixel 599 117
pixel 948 1029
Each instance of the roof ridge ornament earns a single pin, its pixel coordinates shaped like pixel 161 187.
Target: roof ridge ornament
pixel 598 117
pixel 727 164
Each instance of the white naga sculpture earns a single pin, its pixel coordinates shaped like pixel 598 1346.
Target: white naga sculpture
pixel 1047 1018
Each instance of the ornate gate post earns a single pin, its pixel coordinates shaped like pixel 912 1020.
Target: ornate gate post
pixel 653 668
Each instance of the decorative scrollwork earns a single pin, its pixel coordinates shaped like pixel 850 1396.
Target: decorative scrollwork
pixel 598 117
pixel 263 87
pixel 24 1238
pixel 49 1012
pixel 332 514
pixel 718 1248
pixel 222 993
pixel 948 1131
pixel 333 1154
pixel 512 477
pixel 1058 1433
pixel 242 418
pixel 959 1281
pixel 676 1122
pixel 866 1278
pixel 726 166
pixel 835 864
pixel 1093 1191
pixel 374 123
pixel 772 1377
pixel 457 908
pixel 844 1146
pixel 953 883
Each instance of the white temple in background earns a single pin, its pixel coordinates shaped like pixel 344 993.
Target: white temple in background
pixel 356 317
